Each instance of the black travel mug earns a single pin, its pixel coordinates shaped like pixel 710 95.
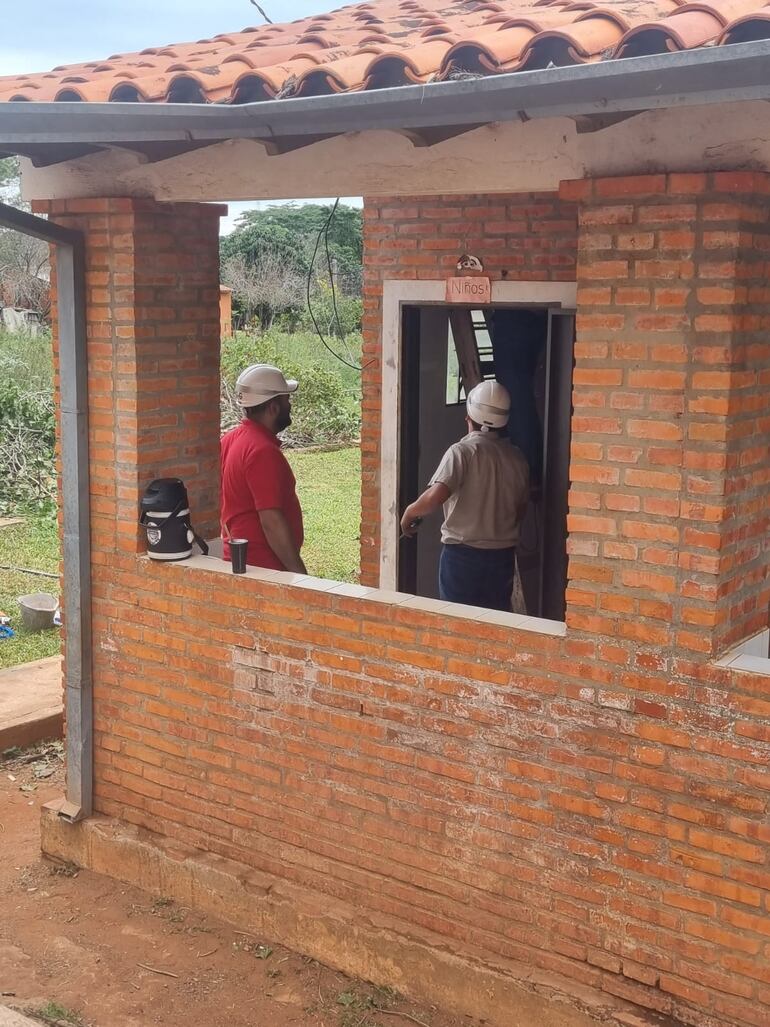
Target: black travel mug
pixel 238 547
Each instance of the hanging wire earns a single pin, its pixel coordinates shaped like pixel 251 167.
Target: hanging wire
pixel 268 20
pixel 330 269
pixel 324 234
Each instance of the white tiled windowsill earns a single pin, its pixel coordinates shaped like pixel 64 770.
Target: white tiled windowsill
pixel 751 655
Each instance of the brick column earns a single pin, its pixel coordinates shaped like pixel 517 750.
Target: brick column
pixel 153 353
pixel 668 507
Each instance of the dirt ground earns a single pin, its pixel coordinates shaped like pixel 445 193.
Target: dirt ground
pixel 78 948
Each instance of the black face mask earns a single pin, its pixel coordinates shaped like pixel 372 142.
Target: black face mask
pixel 284 416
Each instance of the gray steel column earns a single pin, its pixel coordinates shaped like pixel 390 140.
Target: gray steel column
pixel 75 502
pixel 76 534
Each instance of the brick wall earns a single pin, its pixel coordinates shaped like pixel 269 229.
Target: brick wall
pixel 593 805
pixel 668 508
pixel 152 280
pixel 519 237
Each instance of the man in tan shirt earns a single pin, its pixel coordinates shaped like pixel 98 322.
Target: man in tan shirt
pixel 483 484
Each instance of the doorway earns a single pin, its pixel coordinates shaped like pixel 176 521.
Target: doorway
pixel 529 349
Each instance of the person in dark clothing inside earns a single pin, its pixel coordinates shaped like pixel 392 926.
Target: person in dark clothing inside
pixel 518 337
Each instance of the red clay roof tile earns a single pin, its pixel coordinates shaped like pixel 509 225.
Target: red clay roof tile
pixel 396 42
pixel 682 31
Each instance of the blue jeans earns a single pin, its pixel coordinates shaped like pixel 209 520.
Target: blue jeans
pixel 476 577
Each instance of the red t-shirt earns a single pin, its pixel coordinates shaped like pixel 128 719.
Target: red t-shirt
pixel 256 476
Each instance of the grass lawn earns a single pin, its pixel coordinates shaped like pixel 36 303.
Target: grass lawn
pixel 34 544
pixel 329 486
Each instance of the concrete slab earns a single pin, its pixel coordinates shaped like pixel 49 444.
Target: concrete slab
pixel 10 1018
pixel 30 703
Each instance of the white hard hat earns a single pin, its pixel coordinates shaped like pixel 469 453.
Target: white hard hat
pixel 489 404
pixel 259 383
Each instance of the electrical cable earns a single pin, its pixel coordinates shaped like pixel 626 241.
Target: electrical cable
pixel 340 332
pixel 324 232
pixel 258 7
pixel 330 269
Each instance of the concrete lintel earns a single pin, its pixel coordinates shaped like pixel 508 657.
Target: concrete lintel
pixel 505 157
pixel 422 966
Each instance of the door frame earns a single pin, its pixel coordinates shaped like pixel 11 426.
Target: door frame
pixel 397 294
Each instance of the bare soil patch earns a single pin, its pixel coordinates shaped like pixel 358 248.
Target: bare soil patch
pixel 80 949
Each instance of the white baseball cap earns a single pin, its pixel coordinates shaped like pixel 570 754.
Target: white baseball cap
pixel 260 383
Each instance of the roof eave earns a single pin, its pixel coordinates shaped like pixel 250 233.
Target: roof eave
pixel 709 75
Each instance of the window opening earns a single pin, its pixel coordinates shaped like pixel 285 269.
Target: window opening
pixel 455 390
pixel 530 351
pixel 469 343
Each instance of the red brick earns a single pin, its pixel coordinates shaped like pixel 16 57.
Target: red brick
pixel 593 525
pixel 663 431
pixel 664 269
pixel 658 480
pixel 672 297
pixel 665 213
pixel 657 379
pixel 632 185
pixel 612 270
pixel 631 296
pixel 576 189
pixel 658 583
pixel 611 215
pixel 637 241
pixel 687 183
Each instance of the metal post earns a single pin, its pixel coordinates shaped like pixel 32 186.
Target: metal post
pixel 76 534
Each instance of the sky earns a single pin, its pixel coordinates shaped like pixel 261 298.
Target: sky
pixel 39 34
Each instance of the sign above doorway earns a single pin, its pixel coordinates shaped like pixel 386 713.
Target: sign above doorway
pixel 469 290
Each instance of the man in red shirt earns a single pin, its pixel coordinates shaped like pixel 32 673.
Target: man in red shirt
pixel 259 494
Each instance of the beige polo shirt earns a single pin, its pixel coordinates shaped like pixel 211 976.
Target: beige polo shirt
pixel 488 478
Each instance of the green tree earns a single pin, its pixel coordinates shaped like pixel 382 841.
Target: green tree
pixel 265 266
pixel 267 262
pixel 306 220
pixel 9 168
pixel 24 271
pixel 251 239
